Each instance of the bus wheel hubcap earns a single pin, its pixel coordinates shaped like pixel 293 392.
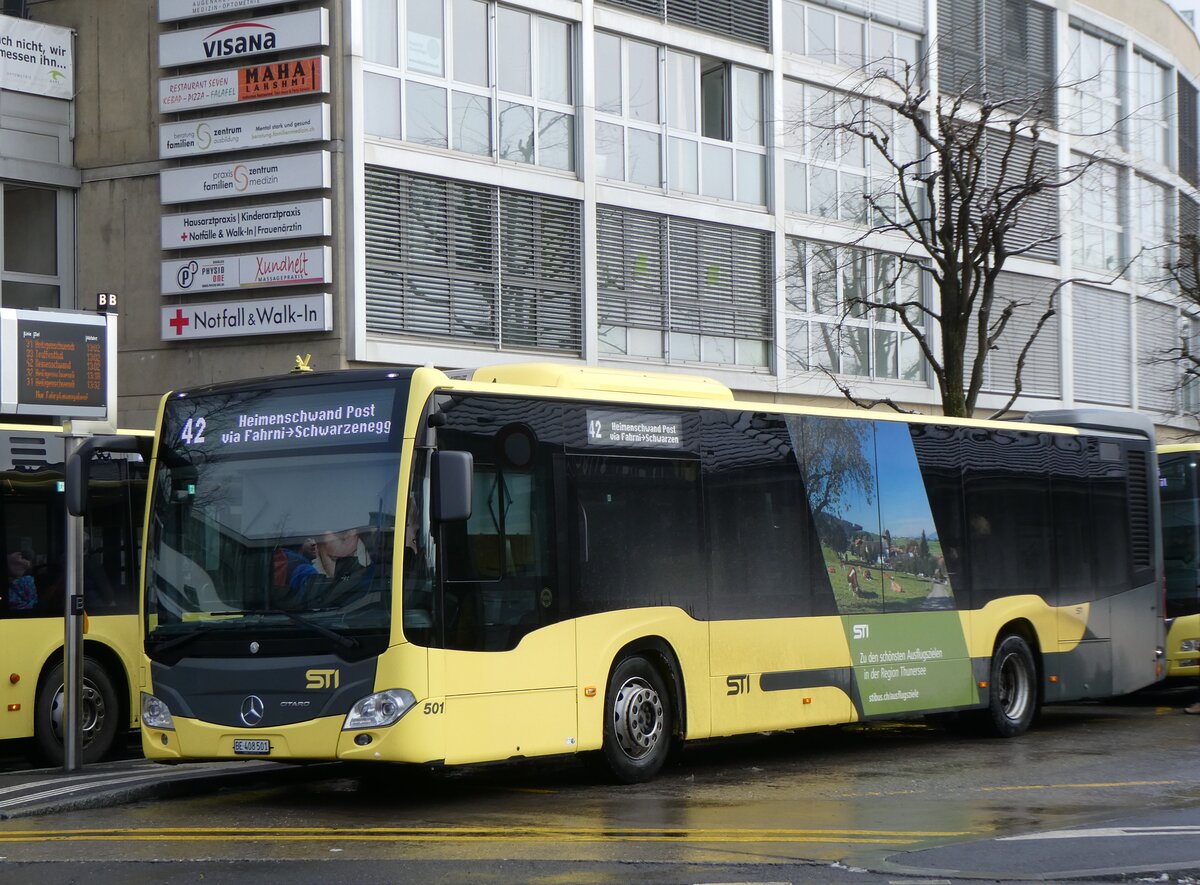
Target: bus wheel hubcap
pixel 92 710
pixel 1014 687
pixel 637 718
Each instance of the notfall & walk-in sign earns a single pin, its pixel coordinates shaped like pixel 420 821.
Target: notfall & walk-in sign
pixel 259 316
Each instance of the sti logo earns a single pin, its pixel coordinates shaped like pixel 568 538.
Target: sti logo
pixel 862 631
pixel 318 679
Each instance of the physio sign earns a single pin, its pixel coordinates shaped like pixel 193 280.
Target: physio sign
pixel 246 178
pixel 235 40
pixel 295 267
pixel 241 132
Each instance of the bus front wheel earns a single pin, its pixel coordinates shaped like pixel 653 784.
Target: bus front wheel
pixel 99 707
pixel 638 729
pixel 1013 699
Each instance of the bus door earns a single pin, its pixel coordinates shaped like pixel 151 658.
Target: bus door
pixel 503 654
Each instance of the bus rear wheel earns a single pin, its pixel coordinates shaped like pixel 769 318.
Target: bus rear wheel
pixel 1013 699
pixel 638 726
pixel 99 706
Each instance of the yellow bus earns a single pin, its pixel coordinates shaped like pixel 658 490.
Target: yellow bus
pixel 1180 497
pixel 33 528
pixel 399 565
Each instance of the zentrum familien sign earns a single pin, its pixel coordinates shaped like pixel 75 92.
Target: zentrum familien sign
pixel 245 178
pixel 240 132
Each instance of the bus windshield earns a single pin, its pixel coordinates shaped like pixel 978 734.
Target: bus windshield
pixel 274 511
pixel 1181 532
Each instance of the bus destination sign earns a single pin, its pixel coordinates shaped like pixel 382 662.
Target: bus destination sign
pixel 61 367
pixel 637 430
pixel 244 425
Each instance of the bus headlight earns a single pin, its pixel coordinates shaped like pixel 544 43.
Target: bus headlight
pixel 1190 645
pixel 155 713
pixel 379 710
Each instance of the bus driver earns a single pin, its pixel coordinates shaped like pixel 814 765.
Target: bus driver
pixel 321 571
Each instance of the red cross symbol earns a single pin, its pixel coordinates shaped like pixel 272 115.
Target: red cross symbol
pixel 178 321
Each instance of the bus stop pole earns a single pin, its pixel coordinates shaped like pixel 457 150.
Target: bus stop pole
pixel 73 634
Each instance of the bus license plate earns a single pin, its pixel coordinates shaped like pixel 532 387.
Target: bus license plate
pixel 251 747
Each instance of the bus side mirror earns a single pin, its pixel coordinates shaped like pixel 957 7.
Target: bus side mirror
pixel 78 468
pixel 451 493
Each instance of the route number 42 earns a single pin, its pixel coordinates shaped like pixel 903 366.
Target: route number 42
pixel 193 431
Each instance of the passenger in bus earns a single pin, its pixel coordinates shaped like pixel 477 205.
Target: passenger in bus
pixel 340 565
pixel 22 591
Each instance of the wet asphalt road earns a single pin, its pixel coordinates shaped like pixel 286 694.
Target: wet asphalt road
pixel 1095 793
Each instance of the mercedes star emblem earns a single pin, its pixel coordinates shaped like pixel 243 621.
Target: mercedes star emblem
pixel 252 710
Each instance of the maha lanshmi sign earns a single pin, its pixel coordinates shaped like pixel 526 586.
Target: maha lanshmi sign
pixel 279 79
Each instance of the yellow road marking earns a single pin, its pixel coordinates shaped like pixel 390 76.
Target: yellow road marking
pixel 1079 786
pixel 459 834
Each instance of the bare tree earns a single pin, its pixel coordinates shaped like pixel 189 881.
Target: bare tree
pixel 967 179
pixel 1183 275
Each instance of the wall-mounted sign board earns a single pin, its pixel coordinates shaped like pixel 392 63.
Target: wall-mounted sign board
pixel 279 79
pixel 217 273
pixel 173 10
pixel 243 132
pixel 262 316
pixel 230 41
pixel 246 178
pixel 248 224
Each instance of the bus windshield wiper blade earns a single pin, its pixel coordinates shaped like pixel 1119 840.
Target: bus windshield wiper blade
pixel 162 645
pixel 341 639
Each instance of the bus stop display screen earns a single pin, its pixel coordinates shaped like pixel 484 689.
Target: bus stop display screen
pixel 60 366
pixel 249 423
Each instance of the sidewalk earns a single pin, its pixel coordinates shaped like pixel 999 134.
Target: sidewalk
pixel 50 790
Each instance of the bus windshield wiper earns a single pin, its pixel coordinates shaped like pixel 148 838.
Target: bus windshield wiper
pixel 342 640
pixel 162 645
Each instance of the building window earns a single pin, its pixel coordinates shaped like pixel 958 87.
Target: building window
pixel 1093 81
pixel 1102 347
pixel 1096 214
pixel 678 291
pixel 31 271
pixel 1189 334
pixel 471 76
pixel 464 262
pixel 849 40
pixel 748 20
pixel 1001 49
pixel 828 170
pixel 830 328
pixel 1151 117
pixel 706 118
pixel 1148 233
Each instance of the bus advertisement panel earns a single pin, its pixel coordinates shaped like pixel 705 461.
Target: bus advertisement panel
pixel 397 565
